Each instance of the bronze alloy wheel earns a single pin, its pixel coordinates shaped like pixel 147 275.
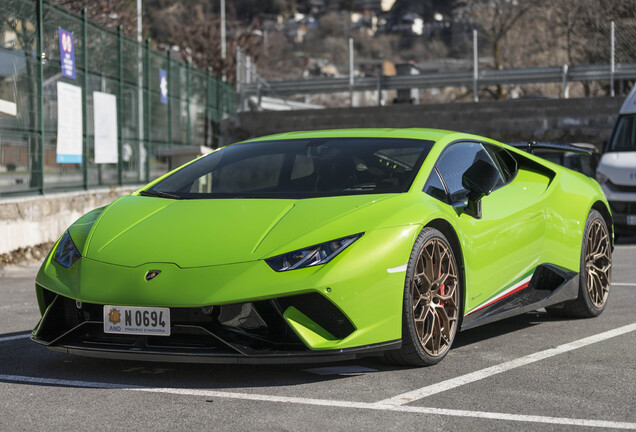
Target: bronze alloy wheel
pixel 598 263
pixel 435 294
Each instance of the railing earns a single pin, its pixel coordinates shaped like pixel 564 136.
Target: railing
pixel 563 75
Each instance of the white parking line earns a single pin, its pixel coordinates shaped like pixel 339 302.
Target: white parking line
pixel 327 403
pixel 62 382
pixel 443 386
pixel 624 283
pixel 14 337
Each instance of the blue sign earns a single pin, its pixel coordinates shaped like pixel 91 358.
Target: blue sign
pixel 67 53
pixel 163 86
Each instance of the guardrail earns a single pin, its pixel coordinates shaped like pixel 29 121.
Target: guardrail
pixel 553 74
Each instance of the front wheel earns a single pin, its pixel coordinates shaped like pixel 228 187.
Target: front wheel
pixel 431 305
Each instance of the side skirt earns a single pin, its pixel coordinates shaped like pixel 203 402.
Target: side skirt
pixel 549 285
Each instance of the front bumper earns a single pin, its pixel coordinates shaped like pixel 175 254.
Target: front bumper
pixel 254 332
pixel 624 216
pixel 347 308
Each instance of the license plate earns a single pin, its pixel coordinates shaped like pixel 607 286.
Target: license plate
pixel 631 220
pixel 137 320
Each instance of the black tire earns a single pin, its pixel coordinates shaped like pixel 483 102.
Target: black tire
pixel 438 316
pixel 590 302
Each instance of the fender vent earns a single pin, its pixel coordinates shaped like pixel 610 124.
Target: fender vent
pixel 321 311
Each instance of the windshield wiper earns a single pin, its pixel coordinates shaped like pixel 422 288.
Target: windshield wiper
pixel 159 194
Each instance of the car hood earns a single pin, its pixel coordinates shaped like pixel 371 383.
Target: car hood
pixel 135 230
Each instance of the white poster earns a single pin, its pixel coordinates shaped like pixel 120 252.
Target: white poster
pixel 69 123
pixel 105 110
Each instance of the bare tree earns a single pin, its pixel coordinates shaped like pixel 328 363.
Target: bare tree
pixel 200 38
pixel 110 13
pixel 581 30
pixel 496 19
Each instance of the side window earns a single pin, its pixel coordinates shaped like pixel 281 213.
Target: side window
pixel 455 160
pixel 435 188
pixel 505 162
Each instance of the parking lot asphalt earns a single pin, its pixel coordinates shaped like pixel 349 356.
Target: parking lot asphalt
pixel 524 373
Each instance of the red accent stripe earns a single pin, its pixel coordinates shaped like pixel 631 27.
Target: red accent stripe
pixel 501 298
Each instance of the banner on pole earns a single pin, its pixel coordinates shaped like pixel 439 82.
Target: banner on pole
pixel 67 53
pixel 69 123
pixel 105 118
pixel 163 86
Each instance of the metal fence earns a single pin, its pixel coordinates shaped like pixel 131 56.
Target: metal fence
pixel 600 59
pixel 149 122
pixel 554 74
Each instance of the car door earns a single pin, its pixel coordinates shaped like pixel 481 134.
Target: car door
pixel 503 247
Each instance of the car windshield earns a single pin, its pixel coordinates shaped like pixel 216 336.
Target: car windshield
pixel 624 136
pixel 300 168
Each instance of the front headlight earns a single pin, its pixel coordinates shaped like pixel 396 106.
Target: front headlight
pixel 601 178
pixel 311 256
pixel 66 252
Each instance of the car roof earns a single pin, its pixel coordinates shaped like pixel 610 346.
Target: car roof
pixel 414 133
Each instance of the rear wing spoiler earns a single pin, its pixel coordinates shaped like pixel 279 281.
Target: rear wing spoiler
pixel 531 146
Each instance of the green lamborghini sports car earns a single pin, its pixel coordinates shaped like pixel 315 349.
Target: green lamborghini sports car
pixel 327 245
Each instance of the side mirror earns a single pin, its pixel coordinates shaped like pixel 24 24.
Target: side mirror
pixel 479 180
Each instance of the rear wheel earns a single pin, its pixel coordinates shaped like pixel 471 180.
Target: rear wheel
pixel 595 274
pixel 431 308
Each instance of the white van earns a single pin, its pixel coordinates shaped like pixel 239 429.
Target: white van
pixel 616 171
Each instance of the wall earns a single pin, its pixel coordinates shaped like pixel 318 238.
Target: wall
pixel 29 221
pixel 560 120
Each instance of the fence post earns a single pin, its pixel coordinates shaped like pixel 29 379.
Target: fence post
pixel 169 78
pixel 219 106
pixel 85 99
pixel 206 125
pixel 238 76
pixel 40 102
pixel 148 112
pixel 140 91
pixel 189 125
pixel 120 107
pixel 475 67
pixel 350 72
pixel 612 56
pixel 566 84
pixel 380 80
